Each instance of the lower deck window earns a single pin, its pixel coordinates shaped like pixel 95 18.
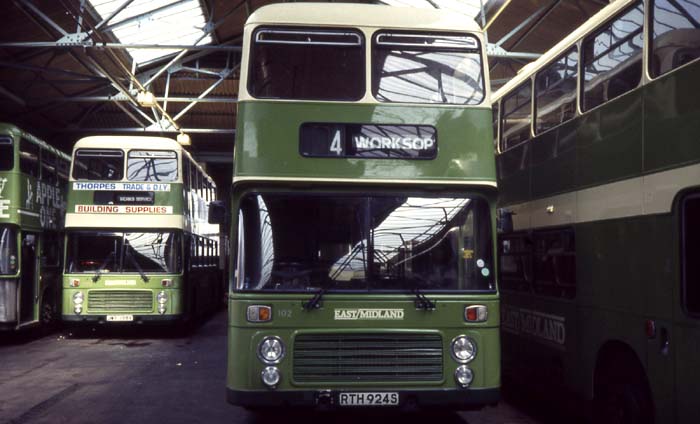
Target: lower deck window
pixel 691 254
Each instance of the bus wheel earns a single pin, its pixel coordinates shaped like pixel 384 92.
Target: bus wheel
pixel 622 397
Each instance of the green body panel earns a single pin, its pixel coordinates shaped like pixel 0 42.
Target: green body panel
pixel 554 161
pixel 175 305
pixel 514 167
pixel 289 319
pixel 173 198
pixel 672 119
pixel 463 154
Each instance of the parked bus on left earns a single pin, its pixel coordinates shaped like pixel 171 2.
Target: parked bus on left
pixel 138 243
pixel 33 179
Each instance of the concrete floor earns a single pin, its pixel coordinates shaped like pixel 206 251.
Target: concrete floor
pixel 151 375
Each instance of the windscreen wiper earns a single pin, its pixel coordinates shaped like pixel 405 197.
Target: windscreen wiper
pixel 422 302
pixel 137 266
pixel 314 302
pixel 98 271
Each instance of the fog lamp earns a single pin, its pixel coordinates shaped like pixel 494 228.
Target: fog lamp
pixel 271 376
pixel 464 376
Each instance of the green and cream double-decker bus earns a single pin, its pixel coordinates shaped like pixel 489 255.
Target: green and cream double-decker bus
pixel 599 178
pixel 363 212
pixel 138 243
pixel 33 179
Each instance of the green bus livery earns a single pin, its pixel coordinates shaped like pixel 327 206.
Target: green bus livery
pixel 599 182
pixel 33 179
pixel 363 212
pixel 138 243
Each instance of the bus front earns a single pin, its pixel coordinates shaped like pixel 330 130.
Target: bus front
pixel 363 213
pixel 124 231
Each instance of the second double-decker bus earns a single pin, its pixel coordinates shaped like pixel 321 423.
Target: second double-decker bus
pixel 138 244
pixel 363 212
pixel 599 177
pixel 33 179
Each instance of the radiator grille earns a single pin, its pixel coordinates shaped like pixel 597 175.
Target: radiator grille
pixel 120 300
pixel 367 357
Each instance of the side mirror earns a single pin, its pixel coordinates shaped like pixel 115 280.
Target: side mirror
pixel 217 212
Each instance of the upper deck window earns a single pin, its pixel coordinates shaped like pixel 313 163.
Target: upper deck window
pixel 676 28
pixel 307 64
pixel 555 91
pixel 7 157
pixel 427 68
pixel 516 117
pixel 98 164
pixel 150 165
pixel 612 58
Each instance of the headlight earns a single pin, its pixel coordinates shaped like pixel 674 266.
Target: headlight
pixel 271 350
pixel 162 298
pixel 463 349
pixel 78 298
pixel 271 376
pixel 464 376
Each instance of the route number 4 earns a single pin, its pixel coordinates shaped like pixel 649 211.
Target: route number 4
pixel 335 144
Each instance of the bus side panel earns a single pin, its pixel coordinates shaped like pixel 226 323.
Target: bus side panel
pixel 608 141
pixel 554 161
pixel 672 119
pixel 514 174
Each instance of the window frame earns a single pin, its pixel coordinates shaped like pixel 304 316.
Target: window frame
pixel 375 44
pixel 650 49
pixel 582 55
pixel 535 114
pixel 320 30
pixel 527 82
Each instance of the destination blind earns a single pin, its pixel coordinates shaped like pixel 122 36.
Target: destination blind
pixel 332 140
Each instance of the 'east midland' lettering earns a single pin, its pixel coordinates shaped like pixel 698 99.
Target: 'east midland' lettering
pixel 368 141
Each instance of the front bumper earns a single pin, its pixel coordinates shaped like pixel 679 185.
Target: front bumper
pixel 456 399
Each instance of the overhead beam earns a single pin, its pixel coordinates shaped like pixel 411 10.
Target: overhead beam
pixel 12 96
pixel 117 46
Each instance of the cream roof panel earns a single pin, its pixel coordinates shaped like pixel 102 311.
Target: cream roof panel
pixel 361 15
pixel 591 24
pixel 127 142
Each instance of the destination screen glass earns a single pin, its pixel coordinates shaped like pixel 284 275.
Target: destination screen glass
pixel 110 252
pixel 309 242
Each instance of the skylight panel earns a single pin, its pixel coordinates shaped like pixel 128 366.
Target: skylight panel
pixel 155 22
pixel 469 8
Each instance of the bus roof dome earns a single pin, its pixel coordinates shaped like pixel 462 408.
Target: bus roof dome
pixel 362 15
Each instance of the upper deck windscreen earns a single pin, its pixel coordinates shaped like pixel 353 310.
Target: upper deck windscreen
pixel 427 68
pixel 151 165
pixel 307 64
pixel 98 164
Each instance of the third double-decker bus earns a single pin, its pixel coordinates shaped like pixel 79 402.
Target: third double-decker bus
pixel 138 243
pixel 33 178
pixel 599 177
pixel 363 207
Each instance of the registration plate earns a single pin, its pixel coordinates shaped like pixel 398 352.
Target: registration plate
pixel 369 399
pixel 120 318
